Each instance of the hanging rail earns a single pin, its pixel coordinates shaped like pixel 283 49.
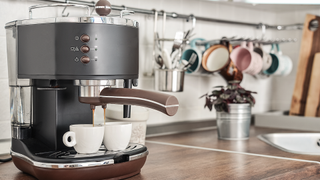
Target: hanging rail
pixel 235 40
pixel 183 16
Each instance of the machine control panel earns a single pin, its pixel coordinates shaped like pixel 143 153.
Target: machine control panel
pixel 85 38
pixel 66 55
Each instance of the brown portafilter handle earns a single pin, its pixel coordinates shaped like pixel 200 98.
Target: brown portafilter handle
pixel 164 103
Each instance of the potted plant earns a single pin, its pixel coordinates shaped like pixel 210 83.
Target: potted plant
pixel 233 106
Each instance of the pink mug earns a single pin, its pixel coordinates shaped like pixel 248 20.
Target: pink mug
pixel 246 59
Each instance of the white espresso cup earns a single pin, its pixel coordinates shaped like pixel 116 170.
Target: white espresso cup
pixel 117 135
pixel 85 138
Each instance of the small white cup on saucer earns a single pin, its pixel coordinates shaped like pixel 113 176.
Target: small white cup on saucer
pixel 117 135
pixel 85 138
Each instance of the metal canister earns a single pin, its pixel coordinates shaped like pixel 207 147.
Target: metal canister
pixel 235 124
pixel 170 80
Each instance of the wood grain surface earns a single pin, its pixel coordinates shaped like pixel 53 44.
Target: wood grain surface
pixel 177 162
pixel 313 100
pixel 310 45
pixel 209 139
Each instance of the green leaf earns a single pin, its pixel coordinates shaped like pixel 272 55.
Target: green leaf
pixel 224 96
pixel 250 101
pixel 241 91
pixel 203 95
pixel 218 107
pixel 217 101
pixel 240 99
pixel 208 103
pixel 218 87
pixel 216 93
pixel 234 82
pixel 232 87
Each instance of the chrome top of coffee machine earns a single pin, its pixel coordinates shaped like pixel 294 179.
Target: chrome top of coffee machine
pixel 60 69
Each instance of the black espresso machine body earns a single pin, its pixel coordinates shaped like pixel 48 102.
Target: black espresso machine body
pixel 53 62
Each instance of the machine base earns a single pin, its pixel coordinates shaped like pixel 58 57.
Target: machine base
pixel 112 171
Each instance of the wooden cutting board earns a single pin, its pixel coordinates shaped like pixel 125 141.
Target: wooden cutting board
pixel 313 100
pixel 310 45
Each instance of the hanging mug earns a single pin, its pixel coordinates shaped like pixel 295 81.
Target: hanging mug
pixel 186 55
pixel 266 57
pixel 285 66
pixel 246 59
pixel 216 58
pixel 274 67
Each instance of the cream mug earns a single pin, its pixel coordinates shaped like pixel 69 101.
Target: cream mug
pixel 215 58
pixel 85 138
pixel 117 135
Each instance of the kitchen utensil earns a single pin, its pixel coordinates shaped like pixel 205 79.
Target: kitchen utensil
pixel 169 80
pixel 159 60
pixel 246 59
pixel 174 59
pixel 191 61
pixel 177 41
pixel 166 59
pixel 313 99
pixel 215 58
pixel 117 135
pixel 163 28
pixel 309 47
pixel 85 138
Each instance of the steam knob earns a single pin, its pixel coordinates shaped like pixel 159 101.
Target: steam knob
pixel 85 38
pixel 85 59
pixel 103 7
pixel 85 49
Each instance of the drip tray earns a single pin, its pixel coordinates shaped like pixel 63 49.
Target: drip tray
pixel 131 149
pixel 298 143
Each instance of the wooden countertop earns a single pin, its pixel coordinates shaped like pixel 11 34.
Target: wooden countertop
pixel 200 155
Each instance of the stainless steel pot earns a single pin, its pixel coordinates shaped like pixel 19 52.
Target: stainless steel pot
pixel 234 125
pixel 170 80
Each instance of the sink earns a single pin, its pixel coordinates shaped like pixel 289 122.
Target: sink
pixel 298 143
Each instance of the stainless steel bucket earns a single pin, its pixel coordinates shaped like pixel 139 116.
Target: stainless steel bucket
pixel 170 80
pixel 234 125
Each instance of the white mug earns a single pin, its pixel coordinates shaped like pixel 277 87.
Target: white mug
pixel 85 138
pixel 285 63
pixel 117 135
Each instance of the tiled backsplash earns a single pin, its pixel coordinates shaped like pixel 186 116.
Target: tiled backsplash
pixel 273 93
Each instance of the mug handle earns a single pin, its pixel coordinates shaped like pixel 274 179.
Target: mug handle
pixel 278 49
pixel 272 49
pixel 193 42
pixel 243 44
pixel 250 46
pixel 65 137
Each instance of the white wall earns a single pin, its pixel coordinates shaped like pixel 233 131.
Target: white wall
pixel 191 107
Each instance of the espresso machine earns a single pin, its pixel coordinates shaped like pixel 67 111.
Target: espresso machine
pixel 60 69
